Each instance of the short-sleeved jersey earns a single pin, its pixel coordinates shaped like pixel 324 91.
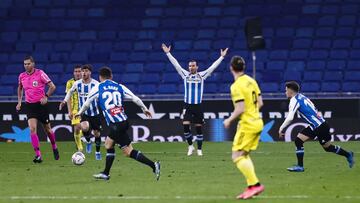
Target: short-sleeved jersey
pixel 74 99
pixel 245 89
pixel 83 90
pixel 34 85
pixel 110 96
pixel 306 110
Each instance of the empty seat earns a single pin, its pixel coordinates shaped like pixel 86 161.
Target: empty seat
pixel 171 78
pixel 351 87
pixel 319 54
pixel 167 89
pixel 55 68
pixel 147 89
pixel 333 76
pixel 299 54
pixel 279 54
pixel 154 67
pixel 210 88
pixel 352 76
pixel 315 65
pixel 313 76
pixel 353 65
pixel 269 87
pixel 336 65
pixel 292 75
pixel 276 65
pixel 150 78
pixel 134 68
pixel 310 87
pixel 130 78
pixel 330 87
pixel 295 65
pixel 9 79
pixel 7 90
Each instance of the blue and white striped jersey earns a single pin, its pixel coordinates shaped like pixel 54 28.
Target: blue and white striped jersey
pixel 110 96
pixel 306 109
pixel 193 83
pixel 83 90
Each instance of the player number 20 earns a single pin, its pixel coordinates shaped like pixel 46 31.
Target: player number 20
pixel 112 99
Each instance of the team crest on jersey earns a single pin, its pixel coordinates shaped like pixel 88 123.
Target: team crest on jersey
pixel 35 83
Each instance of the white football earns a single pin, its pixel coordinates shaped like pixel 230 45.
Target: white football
pixel 78 158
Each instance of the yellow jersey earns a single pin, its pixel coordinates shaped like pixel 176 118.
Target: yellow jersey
pixel 247 90
pixel 74 99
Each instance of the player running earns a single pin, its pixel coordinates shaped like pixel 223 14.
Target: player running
pixel 90 121
pixel 33 81
pixel 247 100
pixel 110 96
pixel 73 107
pixel 318 127
pixel 194 86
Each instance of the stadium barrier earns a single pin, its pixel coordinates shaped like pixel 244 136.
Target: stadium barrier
pixel 343 116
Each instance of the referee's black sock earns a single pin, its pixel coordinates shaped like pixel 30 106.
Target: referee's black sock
pixel 199 137
pixel 299 151
pixel 138 156
pixel 187 134
pixel 87 135
pixel 98 143
pixel 110 156
pixel 337 150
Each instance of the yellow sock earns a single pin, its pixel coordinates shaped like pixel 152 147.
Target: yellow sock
pixel 246 166
pixel 78 142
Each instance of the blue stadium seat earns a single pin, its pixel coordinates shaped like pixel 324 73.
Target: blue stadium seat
pixel 167 89
pixel 342 43
pixel 207 34
pixel 310 87
pixel 150 23
pixel 355 54
pixel 7 90
pixel 209 22
pixel 153 78
pixel 130 78
pixel 275 65
pixel 142 46
pixel 154 11
pixel 352 76
pixel 146 34
pixel 10 37
pixel 4 58
pixel 147 89
pixel 299 54
pixel 10 79
pixel 315 65
pixel 344 32
pixel 330 9
pixel 292 75
pixel 17 58
pixel 305 32
pixel 212 11
pixel 327 20
pixel 272 76
pixel 41 57
pixel 313 76
pixel 134 68
pixel 269 87
pixel 319 54
pixel 55 68
pixel 190 23
pixel 311 9
pixel 210 88
pixel 347 20
pixel 183 45
pixel 330 86
pixel 154 67
pixel 295 66
pixel 285 32
pixel 229 22
pixel 202 45
pixel 353 65
pixel 322 44
pixel 302 43
pixel 333 76
pixel 351 87
pixel 336 65
pixel 325 32
pixel 279 54
pixel 339 54
pixel 119 56
pixel 171 78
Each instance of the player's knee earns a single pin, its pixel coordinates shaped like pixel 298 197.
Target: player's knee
pixel 298 142
pixel 127 151
pixel 32 129
pixel 237 155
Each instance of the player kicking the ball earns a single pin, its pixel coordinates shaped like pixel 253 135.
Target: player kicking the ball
pixel 110 96
pixel 318 127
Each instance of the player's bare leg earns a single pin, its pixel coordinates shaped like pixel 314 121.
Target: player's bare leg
pixel 32 122
pixel 299 144
pixel 85 128
pixel 199 139
pixel 189 138
pixel 97 144
pixel 245 165
pixel 51 135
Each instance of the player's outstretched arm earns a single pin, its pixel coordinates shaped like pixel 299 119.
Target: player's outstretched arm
pixel 213 66
pixel 129 95
pixel 293 106
pixel 173 61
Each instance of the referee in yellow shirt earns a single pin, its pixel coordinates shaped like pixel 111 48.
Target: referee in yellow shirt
pixel 73 107
pixel 247 100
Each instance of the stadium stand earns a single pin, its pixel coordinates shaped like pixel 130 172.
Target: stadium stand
pixel 313 42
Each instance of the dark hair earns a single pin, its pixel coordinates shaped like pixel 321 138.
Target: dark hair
pixel 105 72
pixel 87 66
pixel 237 63
pixel 28 57
pixel 193 61
pixel 293 86
pixel 77 66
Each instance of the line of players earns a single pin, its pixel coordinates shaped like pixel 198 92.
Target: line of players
pixel 245 94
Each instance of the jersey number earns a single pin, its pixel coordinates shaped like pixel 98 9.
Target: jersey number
pixel 254 96
pixel 114 98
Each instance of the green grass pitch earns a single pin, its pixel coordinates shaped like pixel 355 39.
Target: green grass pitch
pixel 211 178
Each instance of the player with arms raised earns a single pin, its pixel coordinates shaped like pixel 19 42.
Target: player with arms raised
pixel 247 100
pixel 194 86
pixel 110 96
pixel 33 81
pixel 318 127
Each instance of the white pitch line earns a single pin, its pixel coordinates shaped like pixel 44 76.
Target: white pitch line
pixel 170 198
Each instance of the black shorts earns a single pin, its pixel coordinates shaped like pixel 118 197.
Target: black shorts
pixel 118 132
pixel 193 113
pixel 322 133
pixel 38 111
pixel 94 121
